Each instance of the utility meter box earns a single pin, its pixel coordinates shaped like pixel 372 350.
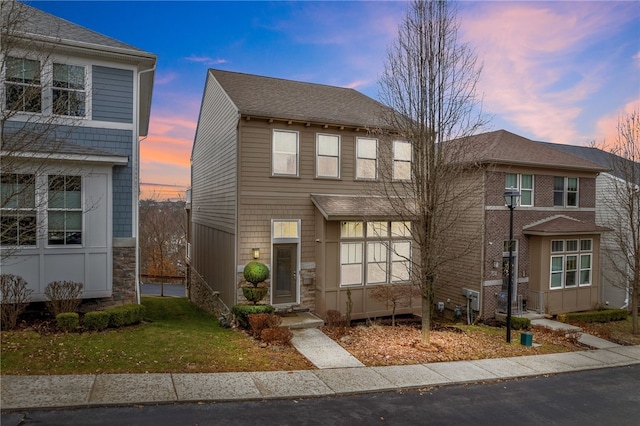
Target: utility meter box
pixel 473 297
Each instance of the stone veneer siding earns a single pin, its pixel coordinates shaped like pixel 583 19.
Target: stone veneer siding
pixel 124 277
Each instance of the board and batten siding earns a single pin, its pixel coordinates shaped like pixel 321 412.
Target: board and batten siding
pixel 112 95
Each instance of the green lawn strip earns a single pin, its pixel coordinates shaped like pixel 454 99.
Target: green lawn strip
pixel 176 337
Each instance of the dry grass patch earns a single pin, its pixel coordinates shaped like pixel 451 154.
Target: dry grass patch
pixel 379 345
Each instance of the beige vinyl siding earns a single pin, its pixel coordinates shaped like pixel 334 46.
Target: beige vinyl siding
pixel 214 159
pixel 464 269
pixel 213 192
pixel 255 167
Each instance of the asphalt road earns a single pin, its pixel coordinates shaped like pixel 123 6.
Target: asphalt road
pixel 169 289
pixel 595 397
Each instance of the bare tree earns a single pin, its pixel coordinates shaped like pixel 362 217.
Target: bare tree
pixel 429 81
pixel 32 126
pixel 624 218
pixel 162 238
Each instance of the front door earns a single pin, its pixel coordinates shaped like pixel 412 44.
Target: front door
pixel 285 273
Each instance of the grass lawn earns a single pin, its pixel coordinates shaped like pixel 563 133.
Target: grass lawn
pixel 175 337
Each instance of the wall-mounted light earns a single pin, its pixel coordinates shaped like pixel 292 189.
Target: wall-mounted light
pixel 496 264
pixel 256 252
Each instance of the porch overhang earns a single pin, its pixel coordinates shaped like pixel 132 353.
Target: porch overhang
pixel 562 225
pixel 361 207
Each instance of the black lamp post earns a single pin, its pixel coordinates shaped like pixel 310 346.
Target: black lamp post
pixel 511 197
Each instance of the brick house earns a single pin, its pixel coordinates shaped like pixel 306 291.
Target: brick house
pixel 74 104
pixel 556 237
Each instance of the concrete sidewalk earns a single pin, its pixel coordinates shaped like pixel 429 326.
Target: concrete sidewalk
pixel 27 392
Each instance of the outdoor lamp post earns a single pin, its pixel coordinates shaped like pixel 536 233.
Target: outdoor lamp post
pixel 511 197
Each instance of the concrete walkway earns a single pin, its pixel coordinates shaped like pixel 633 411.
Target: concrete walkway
pixel 584 338
pixel 29 392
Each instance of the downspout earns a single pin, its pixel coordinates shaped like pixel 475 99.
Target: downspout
pixel 136 183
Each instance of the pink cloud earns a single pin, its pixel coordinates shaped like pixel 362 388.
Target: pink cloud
pixel 532 75
pixel 607 126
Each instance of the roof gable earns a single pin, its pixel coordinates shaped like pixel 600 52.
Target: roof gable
pixel 562 225
pixel 282 99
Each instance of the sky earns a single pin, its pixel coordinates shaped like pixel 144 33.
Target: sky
pixel 559 71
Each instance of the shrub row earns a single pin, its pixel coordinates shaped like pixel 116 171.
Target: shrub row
pixel 242 312
pixel 605 315
pixel 519 323
pixel 119 316
pixel 266 327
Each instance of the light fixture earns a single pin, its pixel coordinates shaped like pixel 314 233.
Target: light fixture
pixel 256 252
pixel 511 197
pixel 496 264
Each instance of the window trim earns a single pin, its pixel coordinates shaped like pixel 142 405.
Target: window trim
pixel 566 253
pixel 368 238
pixel 23 212
pixel 273 153
pixel 402 161
pixel 7 83
pixel 338 157
pixel 566 192
pixel 359 158
pixel 520 188
pixel 65 209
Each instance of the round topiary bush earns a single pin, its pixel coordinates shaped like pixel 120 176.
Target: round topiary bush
pixel 256 272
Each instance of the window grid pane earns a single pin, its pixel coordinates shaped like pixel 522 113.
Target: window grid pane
pixel 285 153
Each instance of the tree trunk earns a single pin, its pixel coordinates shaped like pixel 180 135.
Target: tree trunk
pixel 426 319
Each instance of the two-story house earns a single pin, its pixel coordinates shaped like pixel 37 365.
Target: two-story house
pixel 74 105
pixel 556 240
pixel 611 211
pixel 280 172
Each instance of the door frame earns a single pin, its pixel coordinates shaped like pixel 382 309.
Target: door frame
pixel 291 238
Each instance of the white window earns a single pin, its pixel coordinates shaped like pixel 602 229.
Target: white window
pixel 524 184
pixel 23 90
pixel 570 263
pixel 64 210
pixel 401 261
pixel 351 263
pixel 285 229
pixel 388 254
pixel 69 96
pixel 401 160
pixel 17 209
pixel 565 191
pixel 327 156
pixel 285 153
pixel 366 158
pixel 377 262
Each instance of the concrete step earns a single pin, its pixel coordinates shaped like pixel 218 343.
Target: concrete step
pixel 297 320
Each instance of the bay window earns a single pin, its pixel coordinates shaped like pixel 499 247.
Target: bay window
pixel 571 263
pixel 387 256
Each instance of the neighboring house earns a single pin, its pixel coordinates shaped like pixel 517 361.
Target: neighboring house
pixel 282 168
pixel 556 238
pixel 70 150
pixel 615 288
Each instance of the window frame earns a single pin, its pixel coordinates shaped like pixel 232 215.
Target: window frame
pixel 67 211
pixel 566 192
pixel 360 159
pixel 519 186
pixel 23 85
pixel 275 173
pixel 336 157
pixel 68 91
pixel 571 252
pixel 373 236
pixel 401 161
pixel 20 211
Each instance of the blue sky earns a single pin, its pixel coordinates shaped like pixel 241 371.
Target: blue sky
pixel 561 71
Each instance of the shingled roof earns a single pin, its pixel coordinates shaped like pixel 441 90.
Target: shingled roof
pixel 350 207
pixel 36 24
pixel 562 225
pixel 257 96
pixel 503 147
